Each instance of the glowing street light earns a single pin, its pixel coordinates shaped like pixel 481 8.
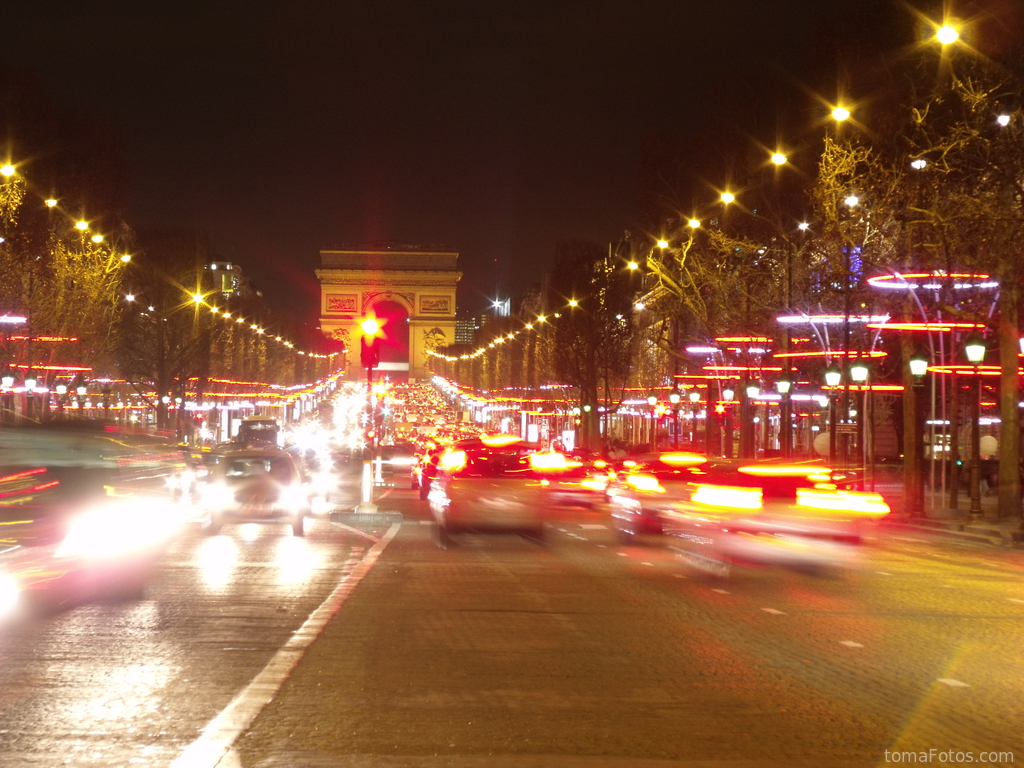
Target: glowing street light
pixel 851 201
pixel 81 225
pixel 97 239
pixel 693 223
pixel 778 158
pixel 947 34
pixel 839 114
pixel 728 197
pixel 662 244
pixel 7 170
pixel 1003 120
pixel 51 203
pixel 633 265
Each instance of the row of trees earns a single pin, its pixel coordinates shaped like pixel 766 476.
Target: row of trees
pixel 124 305
pixel 932 182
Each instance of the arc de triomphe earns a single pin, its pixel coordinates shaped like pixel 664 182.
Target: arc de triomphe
pixel 411 284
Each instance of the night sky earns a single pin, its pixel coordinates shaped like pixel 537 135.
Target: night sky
pixel 497 128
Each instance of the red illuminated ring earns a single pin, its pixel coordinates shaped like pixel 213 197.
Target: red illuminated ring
pixel 930 280
pixel 813 319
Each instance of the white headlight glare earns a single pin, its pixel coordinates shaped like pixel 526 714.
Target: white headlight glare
pixel 118 530
pixel 9 592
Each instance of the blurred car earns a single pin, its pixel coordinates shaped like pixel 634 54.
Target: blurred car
pixel 742 512
pixel 85 512
pixel 487 485
pixel 398 459
pixel 254 486
pixel 570 481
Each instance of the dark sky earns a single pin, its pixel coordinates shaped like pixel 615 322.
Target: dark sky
pixel 495 127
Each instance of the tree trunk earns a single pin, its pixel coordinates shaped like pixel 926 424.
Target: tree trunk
pixel 1009 396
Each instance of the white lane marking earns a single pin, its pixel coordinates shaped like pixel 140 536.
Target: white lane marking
pixel 357 532
pixel 563 530
pixel 426 522
pixel 953 683
pixel 773 611
pixel 883 573
pixel 602 546
pixel 646 563
pixel 850 644
pixel 622 554
pixel 904 538
pixel 721 591
pixel 221 732
pixel 593 527
pixel 679 575
pixel 1014 600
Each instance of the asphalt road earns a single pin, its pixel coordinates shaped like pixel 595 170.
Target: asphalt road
pixel 502 652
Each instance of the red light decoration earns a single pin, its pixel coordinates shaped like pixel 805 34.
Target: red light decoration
pixel 745 339
pixel 852 353
pixel 965 369
pixel 742 368
pixel 922 326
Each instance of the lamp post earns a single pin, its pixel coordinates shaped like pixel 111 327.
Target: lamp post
pixel 674 397
pixel 859 373
pixel 913 476
pixel 975 349
pixel 369 356
pixel 832 378
pixel 694 399
pixel 727 396
pixel 749 449
pixel 785 418
pixel 653 433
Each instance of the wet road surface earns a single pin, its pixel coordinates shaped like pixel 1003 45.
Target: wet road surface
pixel 501 652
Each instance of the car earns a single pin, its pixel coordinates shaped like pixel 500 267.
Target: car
pixel 397 458
pixel 568 481
pixel 87 511
pixel 254 486
pixel 487 486
pixel 726 511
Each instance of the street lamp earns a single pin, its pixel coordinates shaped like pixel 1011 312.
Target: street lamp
pixel 975 350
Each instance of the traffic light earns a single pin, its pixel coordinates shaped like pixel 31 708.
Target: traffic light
pixel 369 352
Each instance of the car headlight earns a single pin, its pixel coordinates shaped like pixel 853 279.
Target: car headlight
pixel 294 497
pixel 216 495
pixel 119 529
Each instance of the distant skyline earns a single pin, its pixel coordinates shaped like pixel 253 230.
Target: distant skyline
pixel 494 128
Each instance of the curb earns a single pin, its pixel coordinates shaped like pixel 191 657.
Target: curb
pixel 990 536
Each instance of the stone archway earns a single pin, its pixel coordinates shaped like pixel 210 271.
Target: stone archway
pixel 402 284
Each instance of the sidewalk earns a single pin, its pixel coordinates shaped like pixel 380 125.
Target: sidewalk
pixel 939 520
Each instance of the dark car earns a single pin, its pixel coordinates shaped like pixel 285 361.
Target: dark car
pixel 254 486
pixel 86 509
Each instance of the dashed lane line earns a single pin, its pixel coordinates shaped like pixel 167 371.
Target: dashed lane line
pixel 850 644
pixel 953 683
pixel 773 611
